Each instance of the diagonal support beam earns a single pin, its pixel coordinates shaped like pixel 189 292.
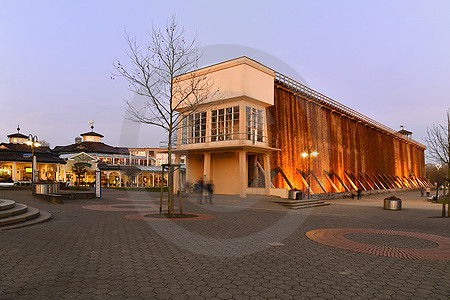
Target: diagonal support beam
pixel 400 181
pixel 385 181
pixel 342 182
pixel 367 182
pixel 393 180
pixel 330 181
pixel 305 182
pixel 374 183
pixel 414 181
pixel 391 184
pixel 318 181
pixel 408 181
pixel 420 181
pixel 264 172
pixel 278 170
pixel 377 178
pixel 427 181
pixel 350 180
pixel 359 182
pixel 403 181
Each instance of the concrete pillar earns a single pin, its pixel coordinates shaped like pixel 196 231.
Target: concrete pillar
pixel 34 169
pixel 242 122
pixel 58 172
pixel 14 172
pixel 242 174
pixel 207 166
pixel 208 127
pixel 267 181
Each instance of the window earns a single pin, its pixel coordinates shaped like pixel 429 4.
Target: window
pixel 194 128
pixel 254 124
pixel 225 124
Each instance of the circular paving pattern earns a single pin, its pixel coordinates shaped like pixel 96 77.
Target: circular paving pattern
pixel 389 240
pixel 214 202
pixel 336 237
pixel 137 199
pixel 123 207
pixel 157 217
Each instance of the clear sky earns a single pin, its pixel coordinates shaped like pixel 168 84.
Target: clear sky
pixel 387 59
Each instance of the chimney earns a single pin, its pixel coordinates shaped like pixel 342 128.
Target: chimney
pixel 77 140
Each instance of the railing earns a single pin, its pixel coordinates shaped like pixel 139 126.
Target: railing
pixel 231 139
pixel 321 98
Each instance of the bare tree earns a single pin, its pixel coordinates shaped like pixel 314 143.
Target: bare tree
pixel 154 71
pixel 79 169
pixel 438 142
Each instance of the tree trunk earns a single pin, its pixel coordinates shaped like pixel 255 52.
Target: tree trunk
pixel 170 201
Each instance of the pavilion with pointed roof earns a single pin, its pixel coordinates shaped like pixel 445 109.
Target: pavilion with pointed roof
pixel 16 161
pixel 118 165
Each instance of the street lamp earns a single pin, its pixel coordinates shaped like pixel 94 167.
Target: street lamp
pixel 33 143
pixel 310 152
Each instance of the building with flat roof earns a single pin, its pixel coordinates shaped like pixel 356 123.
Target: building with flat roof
pixel 261 132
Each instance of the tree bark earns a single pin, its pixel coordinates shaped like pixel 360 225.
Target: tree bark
pixel 170 177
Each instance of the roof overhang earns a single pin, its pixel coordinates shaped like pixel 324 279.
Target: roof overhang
pixel 225 148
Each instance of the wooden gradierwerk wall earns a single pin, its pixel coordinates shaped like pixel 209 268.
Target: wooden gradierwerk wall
pixel 344 143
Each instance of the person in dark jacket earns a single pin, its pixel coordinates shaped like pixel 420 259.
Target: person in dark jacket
pixel 359 193
pixel 199 187
pixel 210 190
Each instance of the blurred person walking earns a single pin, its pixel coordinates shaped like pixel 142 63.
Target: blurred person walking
pixel 210 190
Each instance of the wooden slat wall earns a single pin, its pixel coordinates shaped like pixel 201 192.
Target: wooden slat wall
pixel 296 123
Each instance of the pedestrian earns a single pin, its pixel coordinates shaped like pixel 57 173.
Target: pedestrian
pixel 210 191
pixel 199 190
pixel 353 194
pixel 359 194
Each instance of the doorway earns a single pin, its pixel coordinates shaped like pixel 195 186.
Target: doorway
pixel 255 171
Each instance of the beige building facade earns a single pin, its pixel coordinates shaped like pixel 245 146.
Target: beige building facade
pixel 257 131
pixel 225 139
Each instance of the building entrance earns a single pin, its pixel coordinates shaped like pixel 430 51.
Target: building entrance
pixel 256 177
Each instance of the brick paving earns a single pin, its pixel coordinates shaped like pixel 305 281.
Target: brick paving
pixel 252 249
pixel 336 238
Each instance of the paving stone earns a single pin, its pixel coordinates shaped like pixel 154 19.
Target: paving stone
pixel 86 254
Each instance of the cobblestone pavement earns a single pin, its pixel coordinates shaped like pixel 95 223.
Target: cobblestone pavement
pixel 252 249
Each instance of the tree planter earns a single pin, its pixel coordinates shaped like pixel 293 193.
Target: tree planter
pixel 392 203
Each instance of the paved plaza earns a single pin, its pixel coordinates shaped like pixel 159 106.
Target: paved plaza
pixel 236 248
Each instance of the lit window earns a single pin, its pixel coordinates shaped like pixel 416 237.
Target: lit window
pixel 254 124
pixel 225 124
pixel 194 128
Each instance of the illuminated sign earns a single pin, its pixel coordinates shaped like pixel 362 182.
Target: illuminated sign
pixel 28 170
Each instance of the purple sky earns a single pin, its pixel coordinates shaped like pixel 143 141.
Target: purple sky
pixel 389 60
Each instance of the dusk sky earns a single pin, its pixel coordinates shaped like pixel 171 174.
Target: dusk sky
pixel 389 60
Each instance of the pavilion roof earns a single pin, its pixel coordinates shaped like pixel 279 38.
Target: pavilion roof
pixel 17 135
pixel 90 147
pixel 91 133
pixel 22 153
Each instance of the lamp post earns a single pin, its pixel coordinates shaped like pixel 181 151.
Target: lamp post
pixel 33 143
pixel 307 154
